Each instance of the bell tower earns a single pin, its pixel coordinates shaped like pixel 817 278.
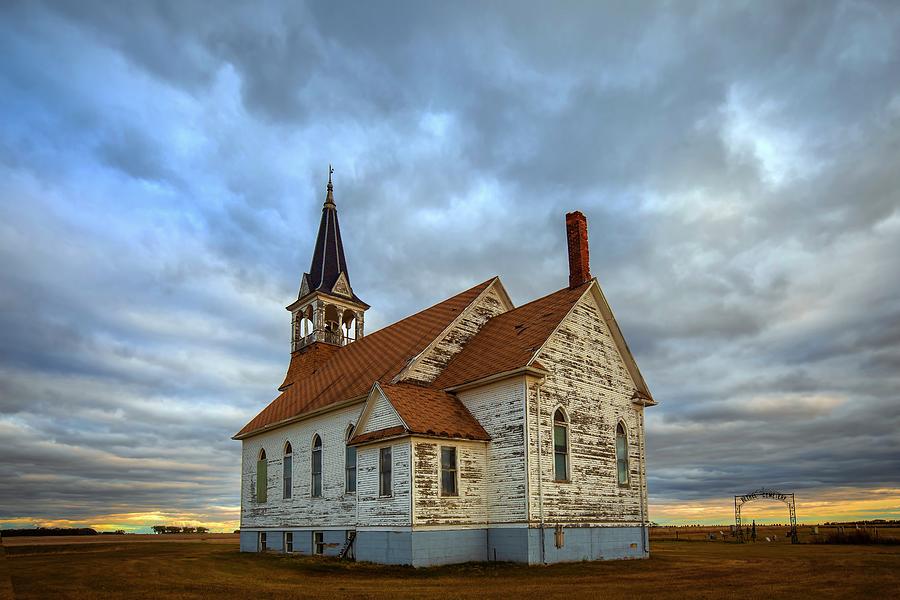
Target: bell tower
pixel 327 311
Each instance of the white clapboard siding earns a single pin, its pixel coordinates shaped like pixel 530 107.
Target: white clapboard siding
pixel 382 416
pixel 469 506
pixel 500 408
pixel 590 381
pixel 374 510
pixel 334 508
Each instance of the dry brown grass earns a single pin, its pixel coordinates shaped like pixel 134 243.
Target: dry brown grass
pixel 205 569
pixel 776 533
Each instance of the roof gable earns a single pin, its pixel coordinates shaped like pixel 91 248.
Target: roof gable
pixel 378 413
pixel 420 411
pixel 349 373
pixel 511 340
pixel 429 363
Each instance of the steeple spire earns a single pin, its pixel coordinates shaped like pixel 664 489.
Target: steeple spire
pixel 328 269
pixel 329 195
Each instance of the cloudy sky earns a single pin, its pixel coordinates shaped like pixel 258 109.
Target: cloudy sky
pixel 162 169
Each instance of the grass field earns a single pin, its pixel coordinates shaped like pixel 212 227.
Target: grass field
pixel 194 567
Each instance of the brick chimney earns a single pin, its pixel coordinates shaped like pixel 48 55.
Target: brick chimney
pixel 579 262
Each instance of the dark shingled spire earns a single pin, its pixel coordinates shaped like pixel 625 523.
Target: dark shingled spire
pixel 328 260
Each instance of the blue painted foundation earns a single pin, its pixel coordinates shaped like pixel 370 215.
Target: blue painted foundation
pixel 446 547
pixel 386 547
pixel 248 541
pixel 587 543
pixel 449 546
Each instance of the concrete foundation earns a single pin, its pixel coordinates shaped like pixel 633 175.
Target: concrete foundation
pixel 450 546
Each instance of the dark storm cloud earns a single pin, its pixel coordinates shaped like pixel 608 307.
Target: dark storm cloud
pixel 162 166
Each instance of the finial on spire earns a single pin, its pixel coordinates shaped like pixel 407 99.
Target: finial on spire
pixel 329 197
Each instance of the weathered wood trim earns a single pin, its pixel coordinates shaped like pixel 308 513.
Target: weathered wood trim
pixel 419 435
pixel 336 299
pixel 527 370
pixel 621 344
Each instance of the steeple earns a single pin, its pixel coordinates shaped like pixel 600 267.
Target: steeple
pixel 328 261
pixel 327 309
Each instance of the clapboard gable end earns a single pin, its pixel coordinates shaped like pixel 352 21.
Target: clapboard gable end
pixel 590 381
pixel 434 358
pixel 378 413
pixel 617 352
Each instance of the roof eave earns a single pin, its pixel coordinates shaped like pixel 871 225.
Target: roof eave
pixel 378 440
pixel 296 304
pixel 300 417
pixel 526 370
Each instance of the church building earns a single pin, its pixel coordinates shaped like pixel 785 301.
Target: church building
pixel 473 430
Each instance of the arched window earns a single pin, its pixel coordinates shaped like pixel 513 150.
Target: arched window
pixel 622 454
pixel 316 487
pixel 262 476
pixel 287 470
pixel 560 446
pixel 332 324
pixel 348 326
pixel 350 465
pixel 307 321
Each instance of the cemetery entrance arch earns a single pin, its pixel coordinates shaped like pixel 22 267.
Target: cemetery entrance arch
pixel 766 494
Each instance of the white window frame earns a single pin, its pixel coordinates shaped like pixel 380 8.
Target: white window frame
pixel 287 483
pixel 261 456
pixel 626 458
pixel 312 466
pixel 441 470
pixel 289 542
pixel 568 428
pixel 347 448
pixel 262 541
pixel 318 548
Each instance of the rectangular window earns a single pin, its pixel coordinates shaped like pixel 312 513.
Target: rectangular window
pixel 288 542
pixel 384 472
pixel 318 542
pixel 350 468
pixel 287 475
pixel 262 480
pixel 448 471
pixel 262 541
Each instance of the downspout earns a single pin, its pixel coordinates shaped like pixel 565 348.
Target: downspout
pixel 641 479
pixel 537 389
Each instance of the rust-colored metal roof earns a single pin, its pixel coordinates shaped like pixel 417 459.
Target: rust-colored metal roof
pixel 510 340
pixel 427 411
pixel 351 371
pixel 306 361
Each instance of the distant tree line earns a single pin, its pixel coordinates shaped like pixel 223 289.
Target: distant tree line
pixel 175 529
pixel 47 531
